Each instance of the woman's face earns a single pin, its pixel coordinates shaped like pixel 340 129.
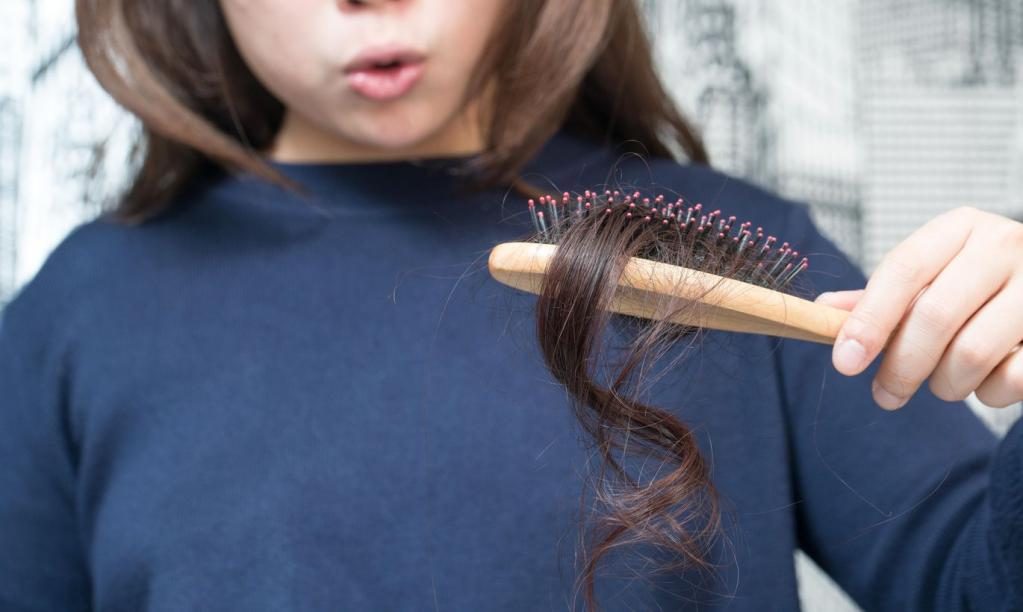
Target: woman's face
pixel 303 52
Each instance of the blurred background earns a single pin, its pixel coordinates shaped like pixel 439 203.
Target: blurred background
pixel 879 113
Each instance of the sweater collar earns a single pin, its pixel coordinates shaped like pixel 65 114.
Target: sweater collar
pixel 389 186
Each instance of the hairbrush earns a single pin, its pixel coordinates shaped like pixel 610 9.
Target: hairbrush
pixel 736 273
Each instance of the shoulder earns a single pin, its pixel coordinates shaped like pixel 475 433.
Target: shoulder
pixel 99 260
pixel 76 268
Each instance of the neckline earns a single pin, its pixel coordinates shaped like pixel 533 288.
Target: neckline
pixel 378 187
pixel 388 184
pixel 438 162
pixel 560 149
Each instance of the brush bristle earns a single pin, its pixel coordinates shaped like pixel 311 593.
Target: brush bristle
pixel 681 234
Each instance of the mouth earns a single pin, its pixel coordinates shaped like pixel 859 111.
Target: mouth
pixel 385 73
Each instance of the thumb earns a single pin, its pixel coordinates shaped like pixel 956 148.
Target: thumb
pixel 845 300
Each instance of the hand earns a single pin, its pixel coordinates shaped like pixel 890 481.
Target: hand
pixel 948 303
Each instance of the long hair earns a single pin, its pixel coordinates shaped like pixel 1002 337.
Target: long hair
pixel 174 65
pixel 677 510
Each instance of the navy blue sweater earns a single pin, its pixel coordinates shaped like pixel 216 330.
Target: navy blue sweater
pixel 262 402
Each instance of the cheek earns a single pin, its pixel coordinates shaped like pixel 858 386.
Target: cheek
pixel 274 38
pixel 466 28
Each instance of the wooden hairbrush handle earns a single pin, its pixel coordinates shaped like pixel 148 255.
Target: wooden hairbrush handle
pixel 655 290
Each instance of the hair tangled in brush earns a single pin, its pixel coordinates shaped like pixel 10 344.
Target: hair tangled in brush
pixel 597 234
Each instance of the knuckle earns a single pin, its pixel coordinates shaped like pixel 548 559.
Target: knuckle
pixel 902 269
pixel 1014 235
pixel 933 312
pixel 1005 388
pixel 1016 395
pixel 984 396
pixel 945 389
pixel 965 211
pixel 898 381
pixel 1015 377
pixel 1005 233
pixel 865 327
pixel 992 399
pixel 971 354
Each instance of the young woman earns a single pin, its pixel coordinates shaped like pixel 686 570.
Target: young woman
pixel 293 386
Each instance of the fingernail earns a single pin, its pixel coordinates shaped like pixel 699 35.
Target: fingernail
pixel 886 399
pixel 849 355
pixel 824 296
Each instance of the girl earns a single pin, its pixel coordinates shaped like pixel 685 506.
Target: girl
pixel 278 378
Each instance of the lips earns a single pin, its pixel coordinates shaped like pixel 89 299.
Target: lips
pixel 384 73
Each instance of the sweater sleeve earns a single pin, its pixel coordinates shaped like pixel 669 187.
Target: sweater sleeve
pixel 917 509
pixel 42 566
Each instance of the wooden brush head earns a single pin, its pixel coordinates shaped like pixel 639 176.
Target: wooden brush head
pixel 736 274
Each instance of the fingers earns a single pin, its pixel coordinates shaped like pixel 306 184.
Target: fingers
pixel 933 319
pixel 901 275
pixel 1004 386
pixel 981 345
pixel 845 300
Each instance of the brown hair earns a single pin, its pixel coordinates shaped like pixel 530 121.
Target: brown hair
pixel 174 65
pixel 678 509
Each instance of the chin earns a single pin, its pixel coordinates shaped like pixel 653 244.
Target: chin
pixel 394 140
pixel 395 130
